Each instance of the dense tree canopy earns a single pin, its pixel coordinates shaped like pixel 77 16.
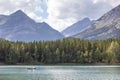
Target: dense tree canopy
pixel 60 51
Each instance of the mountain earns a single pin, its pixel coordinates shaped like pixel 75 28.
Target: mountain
pixel 77 27
pixel 108 26
pixel 18 26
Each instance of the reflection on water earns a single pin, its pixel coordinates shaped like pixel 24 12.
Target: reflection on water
pixel 59 73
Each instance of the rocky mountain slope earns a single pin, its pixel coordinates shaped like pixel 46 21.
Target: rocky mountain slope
pixel 77 27
pixel 18 26
pixel 108 26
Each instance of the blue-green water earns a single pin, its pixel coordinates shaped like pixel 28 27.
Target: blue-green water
pixel 59 73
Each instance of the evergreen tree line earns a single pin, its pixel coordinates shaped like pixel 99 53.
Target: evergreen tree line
pixel 60 51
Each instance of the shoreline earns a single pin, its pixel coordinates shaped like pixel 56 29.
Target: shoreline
pixel 61 64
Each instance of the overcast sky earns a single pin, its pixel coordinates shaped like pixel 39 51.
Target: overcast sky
pixel 59 14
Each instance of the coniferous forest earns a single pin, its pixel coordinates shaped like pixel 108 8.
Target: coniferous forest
pixel 60 51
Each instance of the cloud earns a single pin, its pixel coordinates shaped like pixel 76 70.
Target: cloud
pixel 113 2
pixel 35 17
pixel 60 13
pixel 59 24
pixel 63 13
pixel 28 6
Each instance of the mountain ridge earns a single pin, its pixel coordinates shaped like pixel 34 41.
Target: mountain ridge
pixel 76 27
pixel 107 26
pixel 18 26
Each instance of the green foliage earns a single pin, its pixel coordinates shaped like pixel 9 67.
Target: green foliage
pixel 60 51
pixel 113 52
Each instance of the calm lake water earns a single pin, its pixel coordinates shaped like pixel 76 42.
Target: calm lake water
pixel 59 72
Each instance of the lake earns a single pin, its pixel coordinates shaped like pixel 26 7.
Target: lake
pixel 59 72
